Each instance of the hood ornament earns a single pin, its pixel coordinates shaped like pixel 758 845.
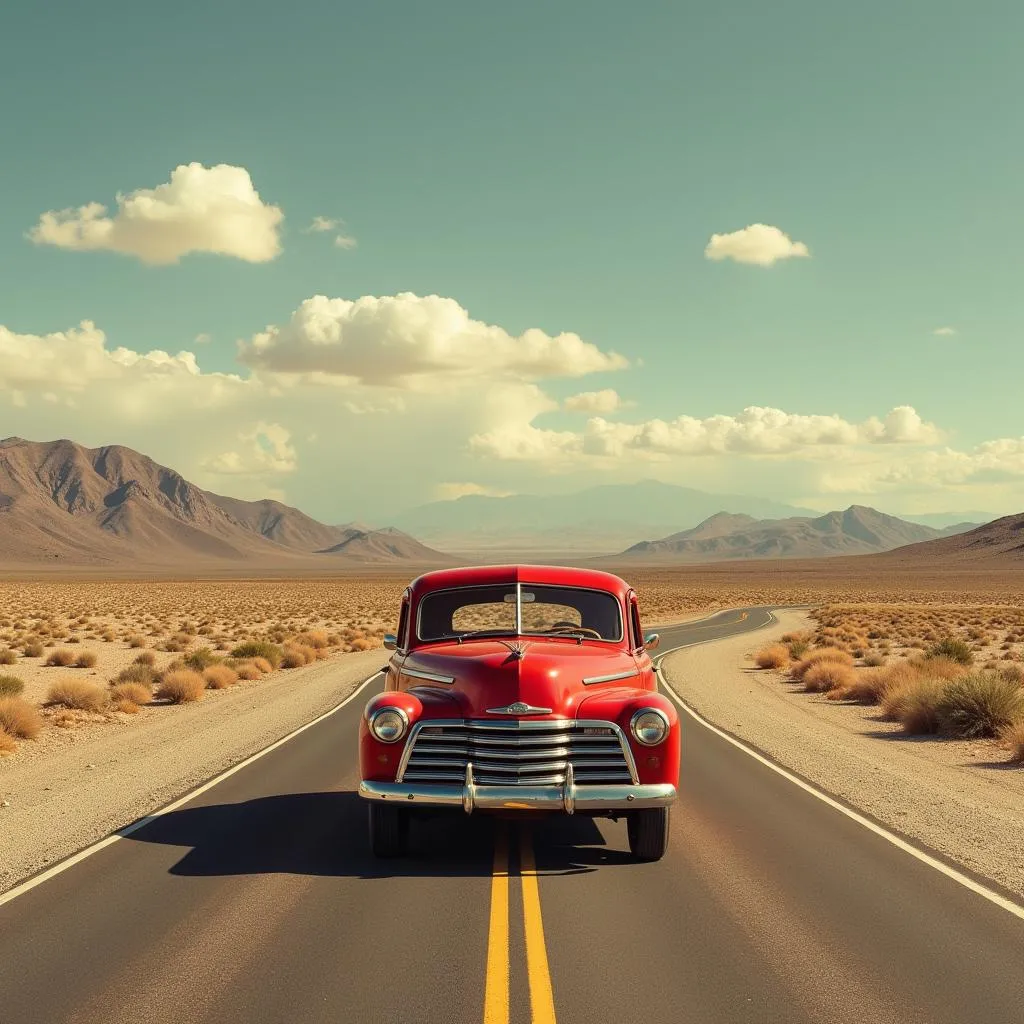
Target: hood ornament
pixel 517 650
pixel 519 708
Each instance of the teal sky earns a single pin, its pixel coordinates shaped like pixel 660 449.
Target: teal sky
pixel 560 167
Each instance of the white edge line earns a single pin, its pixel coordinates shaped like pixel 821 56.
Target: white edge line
pixel 76 858
pixel 925 858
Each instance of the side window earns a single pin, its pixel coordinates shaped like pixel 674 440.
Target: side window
pixel 634 618
pixel 403 625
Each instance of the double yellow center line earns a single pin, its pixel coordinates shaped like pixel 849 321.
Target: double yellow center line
pixel 496 991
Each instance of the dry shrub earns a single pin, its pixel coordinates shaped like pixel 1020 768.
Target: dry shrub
pixel 953 649
pixel 135 640
pixel 7 744
pixel 76 693
pixel 140 674
pixel 1012 736
pixel 200 659
pixel 823 654
pixel 315 638
pixel 867 687
pixel 874 659
pixel 247 670
pixel 20 719
pixel 60 658
pixel 774 656
pixel 146 658
pixel 259 649
pixel 979 705
pixel 85 659
pixel 826 676
pixel 362 644
pixel 10 686
pixel 914 704
pixel 134 693
pixel 181 686
pixel 7 656
pixel 32 649
pixel 219 677
pixel 294 657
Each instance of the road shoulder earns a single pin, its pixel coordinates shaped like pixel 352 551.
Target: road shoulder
pixel 949 797
pixel 52 806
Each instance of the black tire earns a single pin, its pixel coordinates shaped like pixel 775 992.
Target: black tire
pixel 389 830
pixel 648 833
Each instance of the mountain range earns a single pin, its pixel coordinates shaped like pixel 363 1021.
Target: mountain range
pixel 857 530
pixel 63 503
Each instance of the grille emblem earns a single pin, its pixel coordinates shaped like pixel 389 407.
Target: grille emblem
pixel 519 708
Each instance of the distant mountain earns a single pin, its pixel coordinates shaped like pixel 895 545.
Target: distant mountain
pixel 597 519
pixel 64 504
pixel 855 531
pixel 996 544
pixel 942 520
pixel 385 545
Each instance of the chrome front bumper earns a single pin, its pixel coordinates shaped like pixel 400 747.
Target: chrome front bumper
pixel 566 798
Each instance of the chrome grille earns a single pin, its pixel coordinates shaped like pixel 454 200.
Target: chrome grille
pixel 517 753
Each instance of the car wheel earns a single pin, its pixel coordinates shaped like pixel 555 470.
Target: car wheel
pixel 648 833
pixel 389 830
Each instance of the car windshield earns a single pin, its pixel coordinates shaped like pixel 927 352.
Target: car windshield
pixel 520 609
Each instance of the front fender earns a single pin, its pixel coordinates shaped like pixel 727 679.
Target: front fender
pixel 619 705
pixel 379 761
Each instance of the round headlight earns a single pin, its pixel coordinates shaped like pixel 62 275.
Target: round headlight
pixel 389 724
pixel 649 726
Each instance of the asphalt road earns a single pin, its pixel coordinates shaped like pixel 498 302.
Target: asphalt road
pixel 258 902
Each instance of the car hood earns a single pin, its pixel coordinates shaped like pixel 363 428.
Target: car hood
pixel 489 674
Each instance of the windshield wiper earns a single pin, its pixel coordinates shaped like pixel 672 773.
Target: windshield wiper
pixel 481 632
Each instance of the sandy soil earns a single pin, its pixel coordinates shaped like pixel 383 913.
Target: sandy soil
pixel 116 771
pixel 957 797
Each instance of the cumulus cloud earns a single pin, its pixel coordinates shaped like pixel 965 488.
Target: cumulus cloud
pixel 452 491
pixel 266 448
pixel 201 209
pixel 604 401
pixel 755 431
pixel 944 332
pixel 760 244
pixel 395 340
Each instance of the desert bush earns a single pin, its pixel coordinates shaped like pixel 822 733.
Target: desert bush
pixel 867 687
pixel 142 675
pixel 259 649
pixel 85 659
pixel 19 719
pixel 247 670
pixel 7 656
pixel 1014 673
pixel 135 640
pixel 7 744
pixel 953 649
pixel 32 649
pixel 1012 736
pixel 874 659
pixel 295 657
pixel 315 638
pixel 145 658
pixel 181 686
pixel 978 705
pixel 219 677
pixel 76 693
pixel 773 656
pixel 10 686
pixel 914 704
pixel 826 676
pixel 823 654
pixel 262 665
pixel 361 644
pixel 200 658
pixel 134 694
pixel 60 658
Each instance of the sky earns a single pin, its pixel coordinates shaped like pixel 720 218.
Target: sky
pixel 359 256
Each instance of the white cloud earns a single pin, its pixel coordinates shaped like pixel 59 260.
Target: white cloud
pixel 760 244
pixel 266 448
pixel 201 209
pixel 344 242
pixel 322 224
pixel 944 332
pixel 396 340
pixel 202 339
pixel 451 491
pixel 604 401
pixel 755 431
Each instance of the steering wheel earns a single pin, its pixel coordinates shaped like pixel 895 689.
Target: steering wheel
pixel 567 627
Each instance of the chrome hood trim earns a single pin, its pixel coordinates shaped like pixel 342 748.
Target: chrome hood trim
pixel 631 674
pixel 519 708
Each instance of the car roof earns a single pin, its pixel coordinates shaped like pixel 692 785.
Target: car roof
pixel 553 575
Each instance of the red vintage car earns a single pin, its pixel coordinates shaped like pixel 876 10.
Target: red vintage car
pixel 520 689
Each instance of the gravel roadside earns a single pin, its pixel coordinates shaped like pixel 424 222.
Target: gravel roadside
pixel 957 798
pixel 56 799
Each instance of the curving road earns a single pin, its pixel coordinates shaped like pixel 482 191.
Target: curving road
pixel 258 902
